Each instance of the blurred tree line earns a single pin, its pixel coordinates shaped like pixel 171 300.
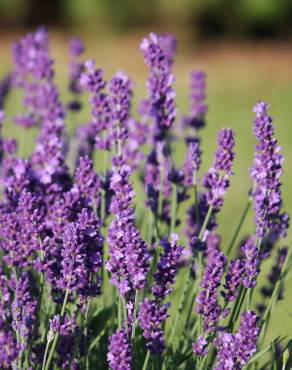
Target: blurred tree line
pixel 259 18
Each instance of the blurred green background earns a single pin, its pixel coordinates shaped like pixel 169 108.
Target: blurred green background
pixel 245 46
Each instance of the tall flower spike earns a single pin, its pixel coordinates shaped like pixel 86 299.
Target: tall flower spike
pixel 251 263
pixel 158 56
pixel 233 280
pixel 129 257
pixel 235 350
pixel 119 356
pixel 198 106
pixel 216 180
pixel 82 255
pixel 192 163
pixel 167 267
pixel 23 311
pixel 207 300
pixel 150 317
pixel 266 173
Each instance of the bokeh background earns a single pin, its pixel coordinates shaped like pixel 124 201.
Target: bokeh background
pixel 245 47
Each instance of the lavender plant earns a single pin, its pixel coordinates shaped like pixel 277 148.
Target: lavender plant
pixel 94 274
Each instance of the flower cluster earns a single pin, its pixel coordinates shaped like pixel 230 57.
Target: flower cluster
pixel 216 180
pixel 266 172
pixel 207 300
pixel 79 286
pixel 234 351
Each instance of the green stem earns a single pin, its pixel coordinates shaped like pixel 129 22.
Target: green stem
pixel 46 353
pixel 85 325
pixel 56 336
pixel 135 314
pixel 119 312
pixel 125 315
pixel 146 360
pixel 205 224
pixel 242 219
pixel 173 208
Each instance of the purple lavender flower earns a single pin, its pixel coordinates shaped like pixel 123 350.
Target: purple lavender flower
pixel 266 173
pixel 167 267
pixel 192 163
pixel 82 255
pixel 161 93
pixel 247 336
pixel 120 87
pixel 23 311
pixel 224 156
pixel 8 349
pixel 129 258
pixel 216 179
pixel 33 71
pixel 92 79
pixel 234 351
pixel 207 300
pixel 97 132
pixel 200 346
pixel 233 280
pixel 150 317
pixel 88 181
pixel 119 355
pixel 76 68
pixel 76 47
pixel 198 106
pixel 251 263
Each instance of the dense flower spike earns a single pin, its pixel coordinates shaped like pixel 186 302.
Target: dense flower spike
pixel 233 280
pixel 151 316
pixel 76 48
pixel 234 351
pixel 251 263
pixel 216 179
pixel 198 106
pixel 119 356
pixel 120 87
pixel 167 267
pixel 97 132
pixel 192 163
pixel 129 258
pixel 158 56
pixel 266 173
pixel 207 300
pixel 23 311
pixel 82 255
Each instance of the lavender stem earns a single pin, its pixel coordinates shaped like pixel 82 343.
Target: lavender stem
pixel 242 219
pixel 56 336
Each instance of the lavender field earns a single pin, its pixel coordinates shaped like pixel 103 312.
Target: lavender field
pixel 144 223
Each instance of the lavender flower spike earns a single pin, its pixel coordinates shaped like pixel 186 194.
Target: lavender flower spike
pixel 192 163
pixel 266 173
pixel 167 267
pixel 119 356
pixel 216 179
pixel 234 351
pixel 233 280
pixel 198 106
pixel 207 300
pixel 251 263
pixel 158 57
